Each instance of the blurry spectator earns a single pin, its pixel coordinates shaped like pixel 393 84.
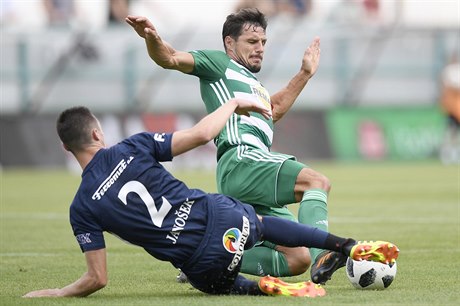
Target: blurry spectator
pixel 450 103
pixel 372 10
pixel 276 7
pixel 118 10
pixel 265 6
pixel 59 12
pixel 371 6
pixel 356 12
pixel 293 7
pixel 346 12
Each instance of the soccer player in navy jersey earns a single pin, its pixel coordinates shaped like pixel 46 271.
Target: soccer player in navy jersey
pixel 127 192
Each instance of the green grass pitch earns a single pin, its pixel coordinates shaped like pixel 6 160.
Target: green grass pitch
pixel 415 205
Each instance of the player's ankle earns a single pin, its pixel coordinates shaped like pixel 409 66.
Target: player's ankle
pixel 348 246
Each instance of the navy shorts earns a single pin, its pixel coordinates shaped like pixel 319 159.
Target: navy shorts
pixel 234 227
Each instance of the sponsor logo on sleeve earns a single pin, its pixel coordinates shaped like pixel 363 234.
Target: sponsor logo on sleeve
pixel 83 238
pixel 160 137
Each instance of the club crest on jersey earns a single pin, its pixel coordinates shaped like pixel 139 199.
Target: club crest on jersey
pixel 262 95
pixel 234 241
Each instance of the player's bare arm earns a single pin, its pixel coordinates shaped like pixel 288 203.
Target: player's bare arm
pixel 162 53
pixel 210 126
pixel 93 280
pixel 285 98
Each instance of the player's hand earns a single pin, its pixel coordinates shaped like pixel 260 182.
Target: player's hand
pixel 141 25
pixel 246 106
pixel 43 293
pixel 310 61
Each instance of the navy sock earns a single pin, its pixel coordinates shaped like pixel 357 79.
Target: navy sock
pixel 291 234
pixel 244 286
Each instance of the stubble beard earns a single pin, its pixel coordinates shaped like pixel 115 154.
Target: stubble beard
pixel 254 68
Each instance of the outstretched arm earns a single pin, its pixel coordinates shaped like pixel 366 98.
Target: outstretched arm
pixel 285 98
pixel 94 279
pixel 210 126
pixel 160 51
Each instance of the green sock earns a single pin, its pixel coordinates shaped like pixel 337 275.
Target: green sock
pixel 313 212
pixel 263 260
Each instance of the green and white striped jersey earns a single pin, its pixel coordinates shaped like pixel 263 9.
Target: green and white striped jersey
pixel 221 79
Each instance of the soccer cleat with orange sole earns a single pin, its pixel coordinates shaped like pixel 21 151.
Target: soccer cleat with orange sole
pixel 274 286
pixel 381 251
pixel 325 265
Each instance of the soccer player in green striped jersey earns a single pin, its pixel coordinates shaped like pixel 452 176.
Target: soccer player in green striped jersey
pixel 247 169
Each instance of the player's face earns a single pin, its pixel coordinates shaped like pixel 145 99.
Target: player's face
pixel 248 49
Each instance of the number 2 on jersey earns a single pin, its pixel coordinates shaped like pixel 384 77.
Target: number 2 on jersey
pixel 157 216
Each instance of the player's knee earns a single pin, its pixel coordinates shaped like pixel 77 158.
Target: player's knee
pixel 324 182
pixel 300 267
pixel 298 259
pixel 321 181
pixel 318 180
pixel 311 179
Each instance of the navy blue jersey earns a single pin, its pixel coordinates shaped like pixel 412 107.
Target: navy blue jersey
pixel 127 192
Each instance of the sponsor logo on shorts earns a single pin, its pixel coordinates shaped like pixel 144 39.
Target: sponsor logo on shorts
pixel 234 240
pixel 231 240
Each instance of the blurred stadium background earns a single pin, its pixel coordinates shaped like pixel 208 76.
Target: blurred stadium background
pixel 375 97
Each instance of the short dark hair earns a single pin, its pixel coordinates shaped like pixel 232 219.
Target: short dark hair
pixel 233 26
pixel 74 127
